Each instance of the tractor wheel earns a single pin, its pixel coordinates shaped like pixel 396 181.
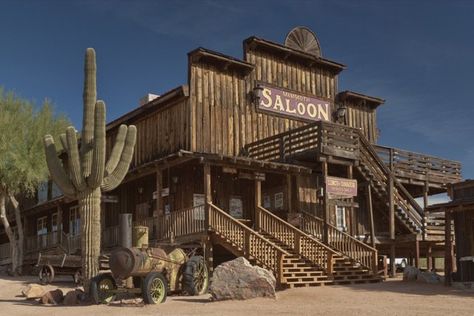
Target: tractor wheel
pixel 195 276
pixel 101 288
pixel 154 288
pixel 46 274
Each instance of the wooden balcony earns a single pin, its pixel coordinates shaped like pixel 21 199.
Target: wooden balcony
pixel 315 140
pixel 417 169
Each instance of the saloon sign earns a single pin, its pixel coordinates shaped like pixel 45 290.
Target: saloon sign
pixel 291 104
pixel 341 187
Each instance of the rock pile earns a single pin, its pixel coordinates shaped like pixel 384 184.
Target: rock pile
pixel 413 274
pixel 53 297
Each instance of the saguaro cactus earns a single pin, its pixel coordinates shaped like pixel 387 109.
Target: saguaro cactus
pixel 84 175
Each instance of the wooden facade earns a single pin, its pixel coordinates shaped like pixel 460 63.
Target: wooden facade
pixel 207 156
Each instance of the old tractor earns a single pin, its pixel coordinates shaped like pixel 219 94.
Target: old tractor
pixel 150 273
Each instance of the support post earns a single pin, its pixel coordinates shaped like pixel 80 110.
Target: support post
pixel 391 206
pixel 60 224
pixel 392 260
pixel 207 193
pixel 371 214
pixel 324 167
pixel 417 254
pixel 429 258
pixel 448 262
pixel 258 202
pixel 159 201
pixel 289 193
pixel 352 221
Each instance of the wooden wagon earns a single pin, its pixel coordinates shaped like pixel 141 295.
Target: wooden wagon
pixel 52 265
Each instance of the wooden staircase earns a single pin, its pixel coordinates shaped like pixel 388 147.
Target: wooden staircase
pixel 373 170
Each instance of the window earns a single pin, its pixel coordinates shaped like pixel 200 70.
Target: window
pixel 74 221
pixel 55 226
pixel 341 218
pixel 42 231
pixel 43 192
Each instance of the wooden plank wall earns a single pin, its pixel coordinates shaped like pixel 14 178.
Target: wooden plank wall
pixel 223 117
pixel 363 117
pixel 464 236
pixel 159 133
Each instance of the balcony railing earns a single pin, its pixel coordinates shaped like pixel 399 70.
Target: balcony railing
pixel 410 166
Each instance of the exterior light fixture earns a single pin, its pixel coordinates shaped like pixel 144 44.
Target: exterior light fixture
pixel 257 92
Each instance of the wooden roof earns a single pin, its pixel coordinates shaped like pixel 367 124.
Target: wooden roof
pixel 351 95
pixel 254 42
pixel 220 60
pixel 167 98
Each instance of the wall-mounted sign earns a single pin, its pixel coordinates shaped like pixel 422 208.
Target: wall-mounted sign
pixel 235 207
pixel 292 104
pixel 198 200
pixel 341 187
pixel 279 200
pixel 267 201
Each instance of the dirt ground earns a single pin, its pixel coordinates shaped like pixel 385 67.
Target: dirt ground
pixel 393 297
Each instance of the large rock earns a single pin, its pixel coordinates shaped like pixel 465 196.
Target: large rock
pixel 33 291
pixel 410 273
pixel 430 277
pixel 53 297
pixel 239 280
pixel 73 297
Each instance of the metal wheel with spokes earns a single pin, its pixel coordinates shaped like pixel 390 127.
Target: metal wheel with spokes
pixel 154 288
pixel 46 274
pixel 102 289
pixel 196 276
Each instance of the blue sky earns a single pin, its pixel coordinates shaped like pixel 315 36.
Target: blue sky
pixel 418 55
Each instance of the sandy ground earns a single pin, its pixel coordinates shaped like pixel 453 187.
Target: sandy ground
pixel 394 297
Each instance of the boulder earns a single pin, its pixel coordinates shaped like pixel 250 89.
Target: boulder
pixel 430 277
pixel 53 297
pixel 33 291
pixel 239 280
pixel 410 273
pixel 73 297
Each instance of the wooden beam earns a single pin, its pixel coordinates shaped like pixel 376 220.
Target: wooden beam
pixel 371 215
pixel 391 209
pixel 289 193
pixel 448 262
pixel 429 258
pixel 324 168
pixel 258 201
pixel 417 254
pixel 207 192
pixel 392 261
pixel 352 220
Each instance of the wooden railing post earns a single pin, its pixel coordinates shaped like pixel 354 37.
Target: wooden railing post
pixel 297 237
pixel 330 262
pixel 375 263
pixel 258 203
pixel 247 243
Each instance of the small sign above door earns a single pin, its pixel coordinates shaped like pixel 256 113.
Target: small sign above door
pixel 341 187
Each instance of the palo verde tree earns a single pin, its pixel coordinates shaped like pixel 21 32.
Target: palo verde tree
pixel 22 161
pixel 85 173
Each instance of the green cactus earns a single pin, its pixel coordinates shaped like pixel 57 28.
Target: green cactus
pixel 84 175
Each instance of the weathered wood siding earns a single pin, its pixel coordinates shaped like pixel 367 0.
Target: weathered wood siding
pixel 364 118
pixel 159 133
pixel 223 117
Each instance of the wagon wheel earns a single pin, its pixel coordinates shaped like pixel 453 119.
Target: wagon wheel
pixel 46 274
pixel 77 277
pixel 154 288
pixel 195 276
pixel 102 289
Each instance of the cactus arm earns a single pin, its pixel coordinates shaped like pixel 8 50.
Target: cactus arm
pixel 63 140
pixel 56 169
pixel 116 150
pixel 98 158
pixel 74 163
pixel 116 177
pixel 89 96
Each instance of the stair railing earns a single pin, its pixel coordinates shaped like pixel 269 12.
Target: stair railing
pixel 342 242
pixel 382 174
pixel 253 245
pixel 300 242
pixel 183 222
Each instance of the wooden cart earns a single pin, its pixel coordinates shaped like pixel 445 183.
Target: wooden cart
pixel 51 265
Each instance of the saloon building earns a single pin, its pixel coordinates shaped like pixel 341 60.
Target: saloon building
pixel 263 157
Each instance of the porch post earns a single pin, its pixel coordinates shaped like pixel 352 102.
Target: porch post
pixel 417 254
pixel 429 258
pixel 371 214
pixel 289 195
pixel 325 202
pixel 207 193
pixel 448 262
pixel 258 202
pixel 391 227
pixel 352 223
pixel 159 204
pixel 60 224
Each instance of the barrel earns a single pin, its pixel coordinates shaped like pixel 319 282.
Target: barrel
pixel 126 262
